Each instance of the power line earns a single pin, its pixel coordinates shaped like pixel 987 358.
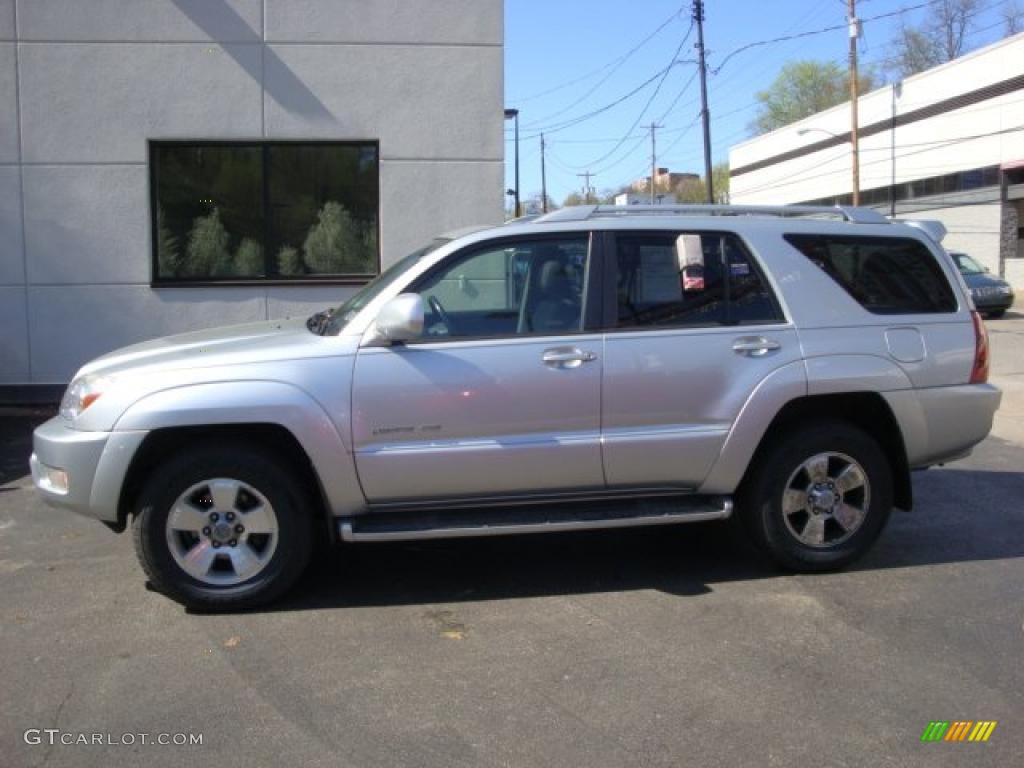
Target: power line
pixel 811 33
pixel 614 63
pixel 601 110
pixel 650 100
pixel 589 93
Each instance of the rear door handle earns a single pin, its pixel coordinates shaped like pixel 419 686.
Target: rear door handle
pixel 754 346
pixel 567 357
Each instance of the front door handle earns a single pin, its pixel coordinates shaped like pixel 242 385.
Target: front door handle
pixel 567 357
pixel 754 346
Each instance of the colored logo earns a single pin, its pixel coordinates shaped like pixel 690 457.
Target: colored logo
pixel 958 730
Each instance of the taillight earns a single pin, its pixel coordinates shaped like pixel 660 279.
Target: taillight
pixel 979 371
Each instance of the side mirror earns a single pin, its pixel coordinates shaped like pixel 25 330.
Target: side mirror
pixel 401 319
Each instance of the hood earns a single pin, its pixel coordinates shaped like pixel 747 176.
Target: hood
pixel 982 280
pixel 248 343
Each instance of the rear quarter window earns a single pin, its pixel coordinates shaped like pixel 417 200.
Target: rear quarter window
pixel 885 275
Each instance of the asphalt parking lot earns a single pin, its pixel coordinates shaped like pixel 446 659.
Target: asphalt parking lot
pixel 659 647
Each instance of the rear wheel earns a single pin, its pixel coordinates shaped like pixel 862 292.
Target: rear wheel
pixel 818 497
pixel 996 314
pixel 222 527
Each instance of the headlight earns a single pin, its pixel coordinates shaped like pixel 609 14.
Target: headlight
pixel 1005 290
pixel 82 393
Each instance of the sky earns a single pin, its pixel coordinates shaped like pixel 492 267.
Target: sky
pixel 570 59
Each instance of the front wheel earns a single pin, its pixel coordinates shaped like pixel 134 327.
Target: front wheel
pixel 818 497
pixel 222 527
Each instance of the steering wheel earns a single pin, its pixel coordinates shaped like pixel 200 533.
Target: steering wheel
pixel 442 313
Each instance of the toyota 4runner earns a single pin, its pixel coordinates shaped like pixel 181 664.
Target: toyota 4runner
pixel 596 367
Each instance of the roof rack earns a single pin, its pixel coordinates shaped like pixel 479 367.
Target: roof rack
pixel 585 212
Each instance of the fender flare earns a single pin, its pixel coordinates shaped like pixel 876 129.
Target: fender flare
pixel 258 402
pixel 824 375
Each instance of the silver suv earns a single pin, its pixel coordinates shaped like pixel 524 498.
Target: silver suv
pixel 597 367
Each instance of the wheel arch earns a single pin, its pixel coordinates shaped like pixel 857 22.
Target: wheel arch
pixel 868 411
pixel 274 438
pixel 281 416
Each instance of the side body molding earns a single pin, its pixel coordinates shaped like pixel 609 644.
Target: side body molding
pixel 771 394
pixel 259 402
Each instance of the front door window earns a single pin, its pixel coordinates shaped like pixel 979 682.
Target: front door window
pixel 530 287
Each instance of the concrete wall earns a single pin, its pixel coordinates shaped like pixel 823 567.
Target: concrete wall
pixel 84 85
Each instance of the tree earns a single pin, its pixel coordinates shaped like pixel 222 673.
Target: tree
pixel 801 89
pixel 335 244
pixel 207 252
pixel 574 198
pixel 695 190
pixel 1013 18
pixel 916 51
pixel 941 37
pixel 249 259
pixel 289 261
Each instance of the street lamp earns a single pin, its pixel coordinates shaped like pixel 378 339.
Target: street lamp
pixel 897 91
pixel 513 114
pixel 855 168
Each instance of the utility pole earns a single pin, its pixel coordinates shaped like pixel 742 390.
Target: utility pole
pixel 543 179
pixel 654 160
pixel 586 185
pixel 698 17
pixel 854 139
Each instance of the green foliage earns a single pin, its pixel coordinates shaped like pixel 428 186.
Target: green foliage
pixel 249 259
pixel 801 89
pixel 336 244
pixel 695 190
pixel 574 198
pixel 289 262
pixel 207 252
pixel 168 250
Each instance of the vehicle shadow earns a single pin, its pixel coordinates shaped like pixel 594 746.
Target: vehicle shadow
pixel 16 425
pixel 960 516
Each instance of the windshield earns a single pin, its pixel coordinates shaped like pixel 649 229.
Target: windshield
pixel 339 318
pixel 967 265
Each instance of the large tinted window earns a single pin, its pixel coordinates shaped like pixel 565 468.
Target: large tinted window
pixel 887 276
pixel 280 211
pixel 688 279
pixel 528 287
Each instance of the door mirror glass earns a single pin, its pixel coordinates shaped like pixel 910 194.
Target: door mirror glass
pixel 401 319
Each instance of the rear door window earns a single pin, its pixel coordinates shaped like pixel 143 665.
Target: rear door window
pixel 885 275
pixel 678 279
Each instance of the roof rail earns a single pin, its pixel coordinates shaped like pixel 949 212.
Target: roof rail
pixel 584 212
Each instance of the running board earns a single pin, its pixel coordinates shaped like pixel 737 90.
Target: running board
pixel 409 526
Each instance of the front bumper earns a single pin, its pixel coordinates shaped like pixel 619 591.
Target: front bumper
pixel 993 303
pixel 95 464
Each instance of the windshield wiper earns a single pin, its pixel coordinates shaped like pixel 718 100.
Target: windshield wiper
pixel 318 323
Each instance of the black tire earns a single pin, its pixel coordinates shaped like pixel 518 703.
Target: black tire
pixel 256 469
pixel 996 314
pixel 761 498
